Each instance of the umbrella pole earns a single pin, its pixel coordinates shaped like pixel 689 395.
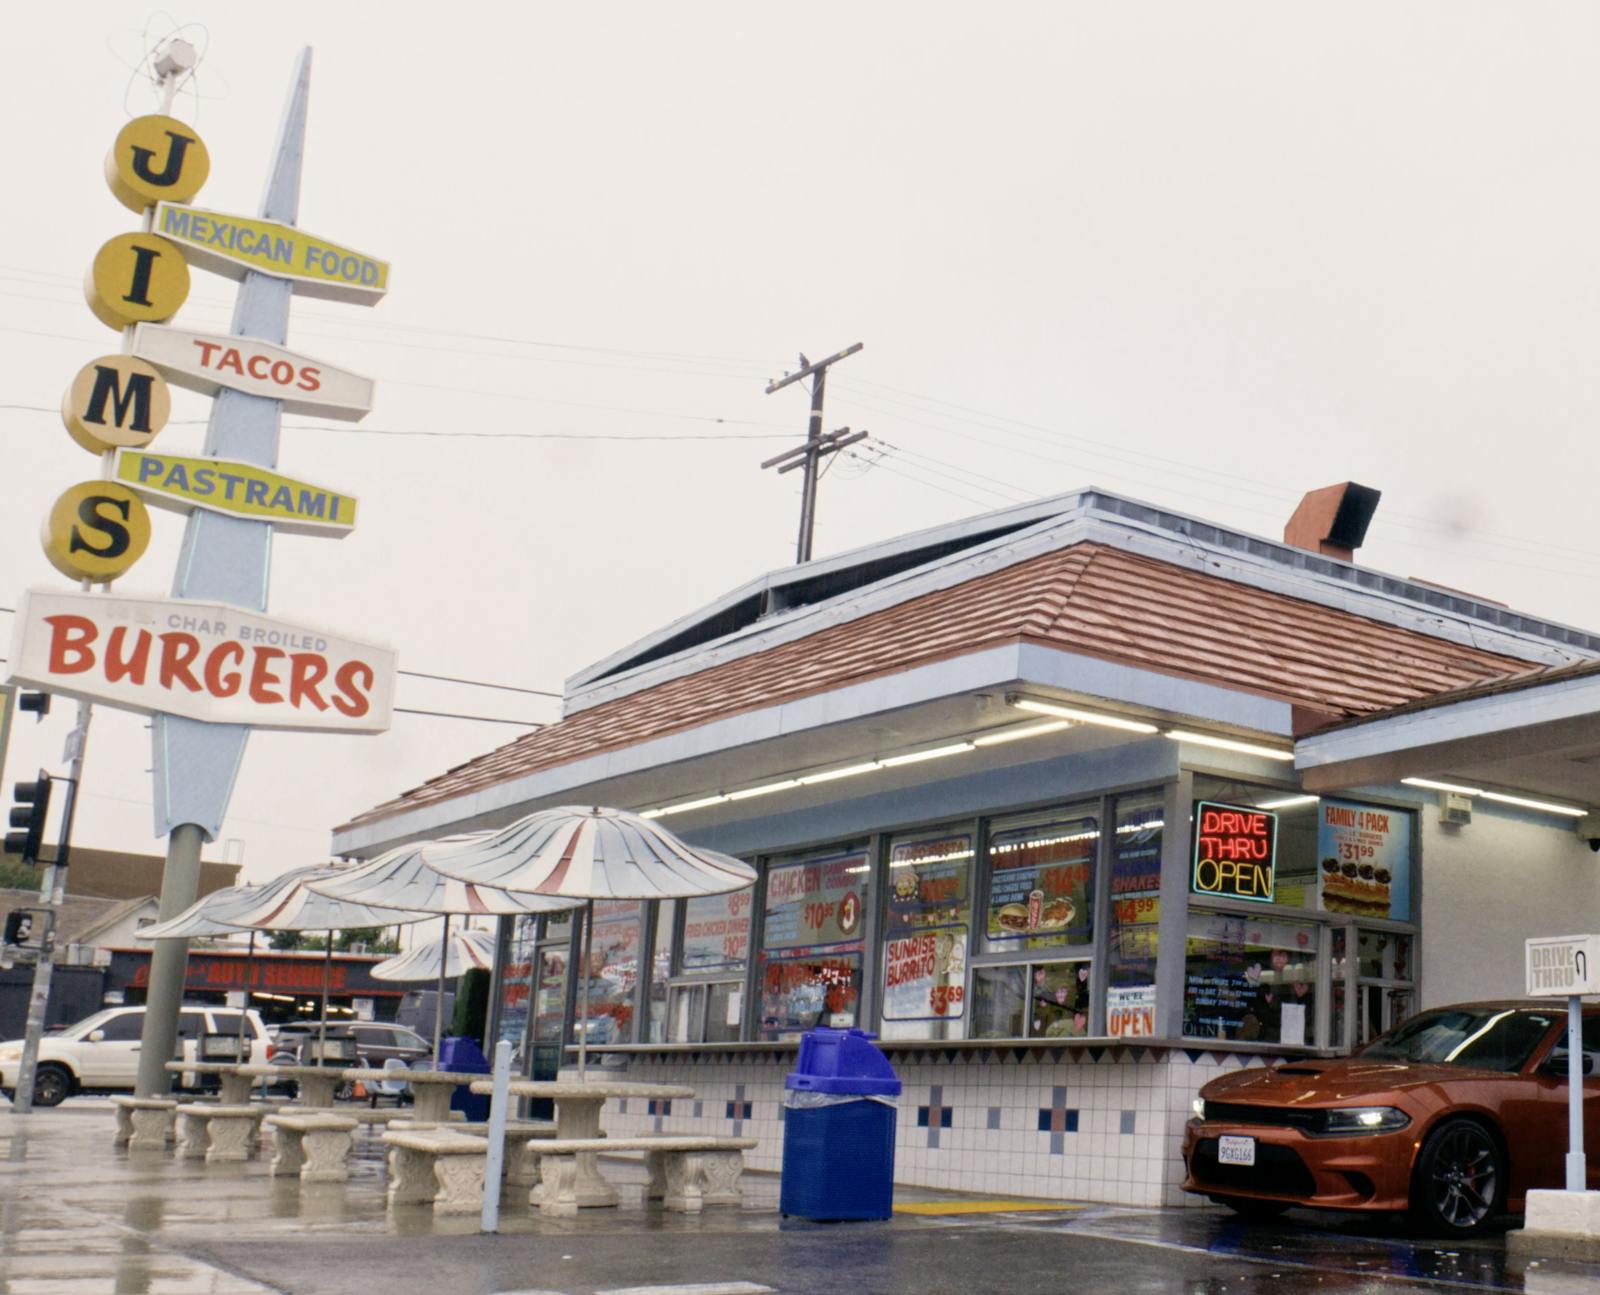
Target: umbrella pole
pixel 249 971
pixel 583 988
pixel 322 1025
pixel 438 999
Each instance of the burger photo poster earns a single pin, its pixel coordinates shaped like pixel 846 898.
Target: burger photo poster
pixel 1040 883
pixel 1364 860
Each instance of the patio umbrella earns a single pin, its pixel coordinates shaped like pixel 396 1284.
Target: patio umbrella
pixel 463 951
pixel 291 905
pixel 400 879
pixel 204 918
pixel 589 854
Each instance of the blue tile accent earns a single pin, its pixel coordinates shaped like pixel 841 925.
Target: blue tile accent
pixel 994 1118
pixel 1128 1121
pixel 935 1115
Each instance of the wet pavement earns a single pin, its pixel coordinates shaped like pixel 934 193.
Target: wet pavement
pixel 78 1217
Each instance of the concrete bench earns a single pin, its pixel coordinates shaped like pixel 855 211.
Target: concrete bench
pixel 686 1173
pixel 315 1145
pixel 438 1165
pixel 219 1131
pixel 521 1166
pixel 143 1123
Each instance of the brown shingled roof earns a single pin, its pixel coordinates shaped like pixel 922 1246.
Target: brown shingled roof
pixel 1087 598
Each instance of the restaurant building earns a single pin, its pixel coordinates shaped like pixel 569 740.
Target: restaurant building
pixel 1077 804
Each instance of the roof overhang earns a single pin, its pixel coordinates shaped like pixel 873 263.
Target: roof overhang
pixel 1543 740
pixel 939 701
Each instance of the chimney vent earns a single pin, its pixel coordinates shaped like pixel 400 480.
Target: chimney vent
pixel 1333 521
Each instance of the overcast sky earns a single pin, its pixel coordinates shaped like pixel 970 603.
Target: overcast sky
pixel 1209 256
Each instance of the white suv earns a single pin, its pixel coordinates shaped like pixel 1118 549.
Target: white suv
pixel 101 1052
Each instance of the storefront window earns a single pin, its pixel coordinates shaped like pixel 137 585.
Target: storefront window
pixel 660 971
pixel 716 933
pixel 707 1002
pixel 1041 881
pixel 1135 915
pixel 809 969
pixel 1250 979
pixel 613 971
pixel 516 982
pixel 927 936
pixel 1031 1000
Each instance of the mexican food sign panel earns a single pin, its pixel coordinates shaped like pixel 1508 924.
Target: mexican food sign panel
pixel 234 245
pixel 1364 859
pixel 204 661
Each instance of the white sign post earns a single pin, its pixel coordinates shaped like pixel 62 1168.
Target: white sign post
pixel 1568 966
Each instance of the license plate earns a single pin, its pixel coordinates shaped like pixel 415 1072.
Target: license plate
pixel 1236 1150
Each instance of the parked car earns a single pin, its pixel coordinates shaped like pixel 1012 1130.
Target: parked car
pixel 377 1041
pixel 1450 1117
pixel 100 1054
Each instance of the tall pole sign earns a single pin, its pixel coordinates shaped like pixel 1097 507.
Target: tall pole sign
pixel 207 663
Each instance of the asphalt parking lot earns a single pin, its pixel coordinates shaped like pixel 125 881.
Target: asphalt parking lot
pixel 77 1217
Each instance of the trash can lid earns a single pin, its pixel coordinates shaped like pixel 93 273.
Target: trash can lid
pixel 842 1061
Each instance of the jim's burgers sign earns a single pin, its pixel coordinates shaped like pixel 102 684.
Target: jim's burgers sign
pixel 204 661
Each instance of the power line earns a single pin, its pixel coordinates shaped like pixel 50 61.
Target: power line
pixel 482 719
pixel 479 683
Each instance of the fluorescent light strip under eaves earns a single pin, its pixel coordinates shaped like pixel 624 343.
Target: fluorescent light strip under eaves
pixel 1230 744
pixel 1289 802
pixel 1084 716
pixel 1500 797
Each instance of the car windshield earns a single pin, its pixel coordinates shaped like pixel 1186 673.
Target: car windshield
pixel 1485 1037
pixel 80 1028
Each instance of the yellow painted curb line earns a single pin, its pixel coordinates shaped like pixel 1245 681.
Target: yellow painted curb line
pixel 981 1207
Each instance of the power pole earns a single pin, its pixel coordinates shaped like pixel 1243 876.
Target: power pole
pixel 817 446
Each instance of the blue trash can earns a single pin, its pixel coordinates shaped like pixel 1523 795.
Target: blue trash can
pixel 464 1056
pixel 838 1129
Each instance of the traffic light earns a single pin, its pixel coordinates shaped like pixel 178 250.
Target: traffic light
pixel 29 813
pixel 36 702
pixel 19 926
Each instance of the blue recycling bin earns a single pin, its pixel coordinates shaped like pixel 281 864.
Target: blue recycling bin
pixel 838 1129
pixel 465 1056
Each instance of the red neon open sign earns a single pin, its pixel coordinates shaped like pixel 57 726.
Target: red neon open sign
pixel 1235 852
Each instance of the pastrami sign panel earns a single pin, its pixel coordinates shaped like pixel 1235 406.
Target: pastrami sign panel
pixel 207 362
pixel 204 661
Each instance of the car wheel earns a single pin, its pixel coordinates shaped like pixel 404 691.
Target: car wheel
pixel 1460 1180
pixel 1249 1208
pixel 51 1086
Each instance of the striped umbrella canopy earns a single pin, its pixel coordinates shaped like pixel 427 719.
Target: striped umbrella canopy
pixel 464 951
pixel 400 879
pixel 207 915
pixel 589 854
pixel 297 907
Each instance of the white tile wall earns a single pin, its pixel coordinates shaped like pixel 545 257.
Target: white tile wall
pixel 1095 1162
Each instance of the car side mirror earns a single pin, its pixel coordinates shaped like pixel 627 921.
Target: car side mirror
pixel 1555 1065
pixel 97 1036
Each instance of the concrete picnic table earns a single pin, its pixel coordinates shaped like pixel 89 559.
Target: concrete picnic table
pixel 317 1083
pixel 432 1088
pixel 235 1087
pixel 578 1104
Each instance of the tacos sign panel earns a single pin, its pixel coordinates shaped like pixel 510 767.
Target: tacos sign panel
pixel 204 661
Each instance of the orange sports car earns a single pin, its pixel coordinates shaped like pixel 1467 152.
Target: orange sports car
pixel 1450 1117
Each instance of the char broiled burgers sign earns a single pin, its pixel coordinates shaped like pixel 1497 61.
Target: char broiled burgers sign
pixel 204 661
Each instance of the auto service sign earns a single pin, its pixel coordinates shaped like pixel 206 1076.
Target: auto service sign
pixel 204 661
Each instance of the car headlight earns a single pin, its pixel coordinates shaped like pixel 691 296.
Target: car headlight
pixel 1198 1106
pixel 1363 1119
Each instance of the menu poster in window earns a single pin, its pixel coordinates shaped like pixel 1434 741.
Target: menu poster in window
pixel 516 977
pixel 1240 974
pixel 925 975
pixel 799 994
pixel 815 904
pixel 716 931
pixel 1039 887
pixel 1364 860
pixel 1135 894
pixel 928 882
